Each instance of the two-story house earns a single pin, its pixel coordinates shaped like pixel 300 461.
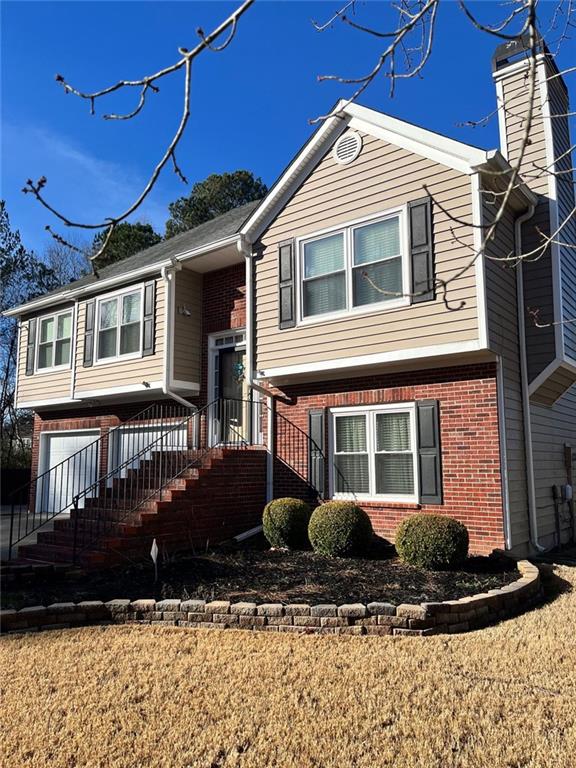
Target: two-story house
pixel 345 337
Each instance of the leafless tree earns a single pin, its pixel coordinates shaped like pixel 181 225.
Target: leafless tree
pixel 145 85
pixel 407 47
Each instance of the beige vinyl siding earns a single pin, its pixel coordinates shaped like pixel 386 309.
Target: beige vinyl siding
pixel 122 373
pixel 551 429
pixel 503 338
pixel 538 285
pixel 188 328
pixel 566 217
pixel 383 177
pixel 48 385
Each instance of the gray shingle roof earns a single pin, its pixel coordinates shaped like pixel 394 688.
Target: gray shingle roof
pixel 223 226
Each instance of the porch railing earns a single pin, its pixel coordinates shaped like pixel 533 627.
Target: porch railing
pixel 52 492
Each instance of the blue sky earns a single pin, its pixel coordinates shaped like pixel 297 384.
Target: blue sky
pixel 251 104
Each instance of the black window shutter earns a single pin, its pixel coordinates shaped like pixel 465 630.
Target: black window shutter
pixel 316 463
pixel 286 287
pixel 89 333
pixel 421 250
pixel 31 347
pixel 149 318
pixel 429 452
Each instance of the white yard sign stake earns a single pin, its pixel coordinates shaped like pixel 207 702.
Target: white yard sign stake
pixel 154 556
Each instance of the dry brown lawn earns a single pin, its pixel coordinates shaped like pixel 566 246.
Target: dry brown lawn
pixel 135 696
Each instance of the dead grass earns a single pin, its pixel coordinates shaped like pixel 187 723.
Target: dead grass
pixel 504 697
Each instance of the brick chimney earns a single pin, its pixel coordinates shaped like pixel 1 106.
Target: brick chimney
pixel 550 281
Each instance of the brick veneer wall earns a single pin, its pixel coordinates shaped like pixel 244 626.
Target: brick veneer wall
pixel 469 439
pixel 223 309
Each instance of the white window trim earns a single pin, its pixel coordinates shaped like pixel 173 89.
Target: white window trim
pixel 107 297
pixel 370 436
pixel 54 316
pixel 347 229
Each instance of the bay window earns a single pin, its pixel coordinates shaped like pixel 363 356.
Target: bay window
pixel 55 341
pixel 358 266
pixel 374 452
pixel 120 325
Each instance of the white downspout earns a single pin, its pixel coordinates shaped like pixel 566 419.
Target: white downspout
pixel 532 512
pixel 245 248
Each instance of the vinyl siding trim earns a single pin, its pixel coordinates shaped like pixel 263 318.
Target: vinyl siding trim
pixel 414 353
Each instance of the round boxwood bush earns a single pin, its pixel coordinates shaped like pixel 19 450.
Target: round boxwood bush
pixel 433 542
pixel 339 528
pixel 285 523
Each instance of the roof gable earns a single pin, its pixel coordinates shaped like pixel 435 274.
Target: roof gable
pixel 449 152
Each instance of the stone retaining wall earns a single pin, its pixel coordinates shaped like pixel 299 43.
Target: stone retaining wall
pixel 351 619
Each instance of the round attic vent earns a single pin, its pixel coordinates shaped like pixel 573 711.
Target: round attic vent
pixel 347 148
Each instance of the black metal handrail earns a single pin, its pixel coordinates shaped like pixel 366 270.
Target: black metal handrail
pixel 52 492
pixel 166 463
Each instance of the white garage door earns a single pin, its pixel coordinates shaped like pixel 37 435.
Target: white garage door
pixel 67 478
pixel 141 441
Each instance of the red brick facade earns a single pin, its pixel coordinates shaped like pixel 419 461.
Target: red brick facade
pixel 469 437
pixel 467 397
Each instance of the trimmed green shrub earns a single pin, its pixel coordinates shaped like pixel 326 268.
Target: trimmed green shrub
pixel 433 542
pixel 339 528
pixel 285 523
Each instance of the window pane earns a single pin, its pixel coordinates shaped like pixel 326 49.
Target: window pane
pixel 351 474
pixel 350 434
pixel 394 473
pixel 387 276
pixel 377 241
pixel 324 256
pixel 62 352
pixel 47 330
pixel 45 356
pixel 393 432
pixel 129 338
pixel 107 343
pixel 108 314
pixel 131 308
pixel 324 294
pixel 64 330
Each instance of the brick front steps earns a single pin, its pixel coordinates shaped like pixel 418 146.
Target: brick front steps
pixel 215 501
pixel 450 617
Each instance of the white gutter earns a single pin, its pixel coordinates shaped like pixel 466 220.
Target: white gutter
pixel 71 293
pixel 245 248
pixel 168 274
pixel 532 512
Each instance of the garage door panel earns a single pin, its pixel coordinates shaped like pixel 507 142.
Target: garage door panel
pixel 73 461
pixel 141 441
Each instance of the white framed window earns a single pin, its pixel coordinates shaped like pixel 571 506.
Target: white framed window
pixel 374 453
pixel 360 267
pixel 119 325
pixel 54 348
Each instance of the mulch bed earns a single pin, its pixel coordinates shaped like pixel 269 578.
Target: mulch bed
pixel 251 571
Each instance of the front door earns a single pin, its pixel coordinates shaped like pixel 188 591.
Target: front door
pixel 229 415
pixel 232 399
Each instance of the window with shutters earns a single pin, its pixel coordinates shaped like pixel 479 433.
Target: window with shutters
pixel 358 268
pixel 119 326
pixel 54 347
pixel 374 453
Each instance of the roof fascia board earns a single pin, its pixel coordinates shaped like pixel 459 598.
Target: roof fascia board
pixel 305 160
pixel 70 295
pixel 127 277
pixel 495 161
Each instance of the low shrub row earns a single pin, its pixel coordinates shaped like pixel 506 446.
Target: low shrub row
pixel 342 528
